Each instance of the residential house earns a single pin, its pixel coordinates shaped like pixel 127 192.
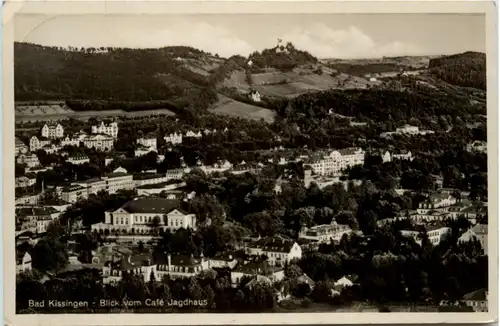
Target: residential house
pixel 226 260
pixel 478 232
pixel 141 265
pixel 192 134
pixel 277 250
pixel 337 161
pixel 52 130
pixel 51 148
pixel 148 141
pixel 37 143
pixel 436 201
pixel 477 300
pixel 403 155
pixel 180 266
pixel 254 268
pixel 173 138
pixel 137 216
pixel 435 233
pixel 20 147
pixel 100 142
pixel 325 233
pixel 23 262
pixel 110 129
pixel 78 159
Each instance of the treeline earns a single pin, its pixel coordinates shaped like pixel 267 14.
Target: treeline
pixel 467 69
pixel 120 75
pixel 361 70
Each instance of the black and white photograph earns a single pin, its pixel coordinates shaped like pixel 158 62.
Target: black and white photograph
pixel 252 163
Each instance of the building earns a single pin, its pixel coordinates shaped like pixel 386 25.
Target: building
pixel 100 142
pixel 26 181
pixel 435 233
pixel 478 146
pixel 226 260
pixel 173 138
pixel 192 134
pixel 52 130
pixel 430 216
pixel 23 262
pixel 110 129
pixel 477 300
pixel 325 233
pixel 403 155
pixel 337 161
pixel 70 141
pixel 93 186
pixel 148 141
pixel 408 129
pixel 217 167
pixel 74 193
pixel 255 96
pixel 139 215
pixel 435 202
pixel 29 199
pixel 147 178
pixel 180 266
pixel 142 150
pixel 118 181
pixel 78 159
pixel 51 148
pixel 35 219
pixel 277 250
pixel 478 232
pixel 38 143
pixel 20 147
pixel 177 174
pixel 255 268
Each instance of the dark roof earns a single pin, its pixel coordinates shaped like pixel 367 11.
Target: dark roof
pixel 479 295
pixel 255 268
pixel 132 262
pixel 117 175
pixel 35 211
pixel 179 260
pixel 72 188
pixel 153 205
pixel 146 176
pixel 274 244
pixel 160 185
pixel 55 202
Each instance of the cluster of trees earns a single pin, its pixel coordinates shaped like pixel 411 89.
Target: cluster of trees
pixel 283 57
pixel 466 69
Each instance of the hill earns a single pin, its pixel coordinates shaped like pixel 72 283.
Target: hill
pixel 466 69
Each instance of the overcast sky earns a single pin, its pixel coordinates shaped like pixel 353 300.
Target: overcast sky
pixel 325 36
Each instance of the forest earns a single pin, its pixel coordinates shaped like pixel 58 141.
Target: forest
pixel 466 69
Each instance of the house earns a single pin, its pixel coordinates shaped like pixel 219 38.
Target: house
pixel 147 141
pixel 74 193
pixel 477 300
pixel 52 130
pixel 254 268
pixel 51 148
pixel 277 250
pixel 408 129
pixel 142 150
pixel 139 215
pixel 149 178
pixel 120 170
pixel 325 233
pixel 192 134
pixel 37 143
pixel 344 282
pixel 337 161
pixel 226 260
pixel 93 186
pixel 478 232
pixel 36 212
pixel 23 262
pixel 430 216
pixel 142 265
pixel 29 199
pixel 403 155
pixel 78 159
pixel 180 266
pixel 435 233
pixel 435 202
pixel 177 173
pixel 20 147
pixel 173 138
pixel 255 96
pixel 110 129
pixel 477 146
pixel 100 142
pixel 26 181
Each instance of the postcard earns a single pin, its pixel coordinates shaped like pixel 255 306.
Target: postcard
pixel 216 163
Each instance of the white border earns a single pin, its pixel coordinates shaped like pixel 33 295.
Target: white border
pixel 117 7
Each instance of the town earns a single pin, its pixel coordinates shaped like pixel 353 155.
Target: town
pixel 242 216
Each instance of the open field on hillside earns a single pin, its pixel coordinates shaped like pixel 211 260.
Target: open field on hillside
pixel 237 80
pixel 227 106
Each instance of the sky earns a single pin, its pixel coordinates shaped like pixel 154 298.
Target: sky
pixel 323 35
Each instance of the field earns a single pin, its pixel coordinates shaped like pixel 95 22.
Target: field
pixel 237 80
pixel 227 106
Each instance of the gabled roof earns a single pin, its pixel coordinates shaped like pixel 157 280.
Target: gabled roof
pixel 153 205
pixel 36 211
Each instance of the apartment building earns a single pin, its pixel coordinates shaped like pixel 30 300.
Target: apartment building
pixel 52 130
pixel 337 161
pixel 37 143
pixel 277 250
pixel 173 138
pixel 100 142
pixel 110 129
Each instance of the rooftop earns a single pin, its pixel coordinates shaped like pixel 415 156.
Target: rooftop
pixel 274 244
pixel 153 205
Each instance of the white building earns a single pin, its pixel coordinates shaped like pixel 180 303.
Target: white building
pixel 435 202
pixel 192 134
pixel 477 146
pixel 99 142
pixel 435 234
pixel 149 179
pixel 173 138
pixel 51 148
pixel 255 96
pixel 277 250
pixel 477 300
pixel 74 193
pixel 148 141
pixel 155 189
pixel 325 233
pixel 478 232
pixel 37 143
pixel 257 268
pixel 403 155
pixel 31 160
pixel 408 129
pixel 77 160
pixel 20 147
pixel 338 161
pixel 52 130
pixel 142 150
pixel 110 129
pixel 137 215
